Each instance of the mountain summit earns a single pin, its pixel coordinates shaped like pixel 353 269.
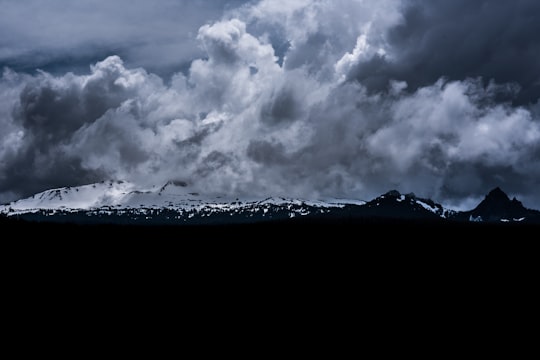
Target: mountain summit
pixel 496 201
pixel 497 207
pixel 396 205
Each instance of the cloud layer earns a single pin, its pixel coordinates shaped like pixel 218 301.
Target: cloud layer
pixel 299 98
pixel 63 34
pixel 492 39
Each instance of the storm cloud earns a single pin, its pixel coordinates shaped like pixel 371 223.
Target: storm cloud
pixel 295 98
pixel 495 40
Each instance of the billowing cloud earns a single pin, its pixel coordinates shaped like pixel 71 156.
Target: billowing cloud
pixel 318 33
pixel 492 39
pixel 297 98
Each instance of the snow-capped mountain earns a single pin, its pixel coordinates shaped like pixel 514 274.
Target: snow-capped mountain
pixel 85 197
pixel 175 203
pixel 119 201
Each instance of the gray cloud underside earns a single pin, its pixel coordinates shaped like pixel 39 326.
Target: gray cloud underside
pixel 64 34
pixel 459 39
pixel 348 108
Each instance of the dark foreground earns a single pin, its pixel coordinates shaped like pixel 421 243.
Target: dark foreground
pixel 295 230
pixel 345 270
pixel 338 254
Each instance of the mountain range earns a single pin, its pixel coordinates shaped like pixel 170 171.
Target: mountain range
pixel 119 202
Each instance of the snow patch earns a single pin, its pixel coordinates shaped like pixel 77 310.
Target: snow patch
pixel 428 207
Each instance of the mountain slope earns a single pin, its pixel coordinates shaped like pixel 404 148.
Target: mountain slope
pixel 397 205
pixel 118 202
pixel 108 193
pixel 172 203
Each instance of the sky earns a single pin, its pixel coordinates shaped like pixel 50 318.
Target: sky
pixel 295 98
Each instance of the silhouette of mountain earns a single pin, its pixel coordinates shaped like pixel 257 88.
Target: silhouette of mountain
pixel 497 207
pixel 393 204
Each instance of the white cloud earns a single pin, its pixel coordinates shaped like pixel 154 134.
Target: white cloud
pixel 238 121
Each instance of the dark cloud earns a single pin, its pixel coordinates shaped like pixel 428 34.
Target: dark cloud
pixel 44 171
pixel 52 111
pixel 300 98
pixel 211 163
pixel 282 107
pixel 49 112
pixel 267 153
pixel 492 39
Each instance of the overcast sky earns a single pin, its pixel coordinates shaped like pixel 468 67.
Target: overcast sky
pixel 309 98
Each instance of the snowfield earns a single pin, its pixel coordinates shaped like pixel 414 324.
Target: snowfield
pixel 120 195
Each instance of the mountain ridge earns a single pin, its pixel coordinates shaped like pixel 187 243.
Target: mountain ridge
pixel 174 203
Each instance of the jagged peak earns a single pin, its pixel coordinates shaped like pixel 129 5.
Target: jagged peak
pixel 516 202
pixel 497 206
pixel 393 194
pixel 498 196
pixel 497 193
